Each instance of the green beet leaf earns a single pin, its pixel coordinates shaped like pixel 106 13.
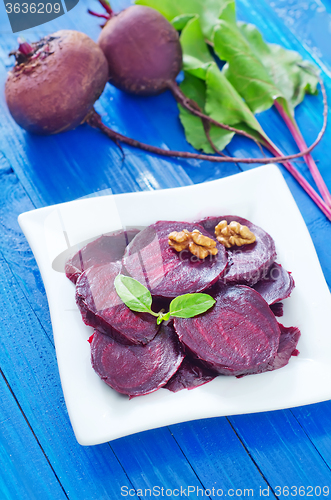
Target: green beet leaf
pixel 135 295
pixel 190 305
pixel 293 76
pixel 262 72
pixel 195 89
pixel 206 84
pixel 244 70
pixel 207 10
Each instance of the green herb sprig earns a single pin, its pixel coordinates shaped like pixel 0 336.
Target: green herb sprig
pixel 139 299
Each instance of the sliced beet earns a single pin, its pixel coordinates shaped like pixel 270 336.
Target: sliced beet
pixel 238 336
pixel 137 370
pixel 248 262
pixel 165 272
pixel 289 338
pixel 277 309
pixel 102 308
pixel 107 248
pixel 276 285
pixel 189 375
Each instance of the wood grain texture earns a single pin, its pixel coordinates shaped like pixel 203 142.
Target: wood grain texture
pixel 25 471
pixel 216 455
pixel 29 364
pixel 290 458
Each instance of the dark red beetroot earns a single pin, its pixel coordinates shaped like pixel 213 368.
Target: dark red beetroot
pixel 277 285
pixel 102 308
pixel 142 49
pixel 137 370
pixel 53 88
pixel 56 81
pixel 248 262
pixel 165 272
pixel 238 336
pixel 289 338
pixel 145 56
pixel 189 375
pixel 107 248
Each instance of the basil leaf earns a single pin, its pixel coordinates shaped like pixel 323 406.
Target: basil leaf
pixel 190 305
pixel 135 295
pixel 162 317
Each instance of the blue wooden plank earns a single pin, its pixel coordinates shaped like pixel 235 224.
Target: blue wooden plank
pixel 156 466
pixel 17 253
pixel 25 472
pixel 58 169
pixel 286 458
pixel 29 339
pixel 29 364
pixel 218 458
pixel 316 422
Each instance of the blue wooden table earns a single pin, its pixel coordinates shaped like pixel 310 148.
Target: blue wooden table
pixel 267 454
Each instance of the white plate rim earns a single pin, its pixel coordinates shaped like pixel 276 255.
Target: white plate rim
pixel 96 412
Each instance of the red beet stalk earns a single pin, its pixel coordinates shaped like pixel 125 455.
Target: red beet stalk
pixel 297 136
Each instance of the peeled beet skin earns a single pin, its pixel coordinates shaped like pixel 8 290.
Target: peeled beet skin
pixel 239 335
pixel 56 91
pixel 137 370
pixel 248 263
pixel 142 49
pixel 165 272
pixel 102 308
pixel 276 285
pixel 107 248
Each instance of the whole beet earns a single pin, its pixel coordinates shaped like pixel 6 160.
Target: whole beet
pixel 53 88
pixel 143 50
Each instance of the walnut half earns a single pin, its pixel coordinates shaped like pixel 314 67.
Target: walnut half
pixel 199 245
pixel 233 234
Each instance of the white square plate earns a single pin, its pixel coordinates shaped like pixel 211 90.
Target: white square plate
pixel 99 414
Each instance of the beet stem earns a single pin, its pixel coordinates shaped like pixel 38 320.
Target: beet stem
pixel 24 47
pixel 94 120
pixel 104 16
pixel 297 136
pixel 106 5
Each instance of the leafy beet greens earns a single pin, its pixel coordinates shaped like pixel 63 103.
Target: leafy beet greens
pixel 139 299
pixel 256 76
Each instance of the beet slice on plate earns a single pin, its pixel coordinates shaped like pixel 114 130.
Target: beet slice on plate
pixel 248 262
pixel 107 248
pixel 165 272
pixel 289 338
pixel 277 285
pixel 238 336
pixel 189 375
pixel 102 308
pixel 277 309
pixel 137 370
